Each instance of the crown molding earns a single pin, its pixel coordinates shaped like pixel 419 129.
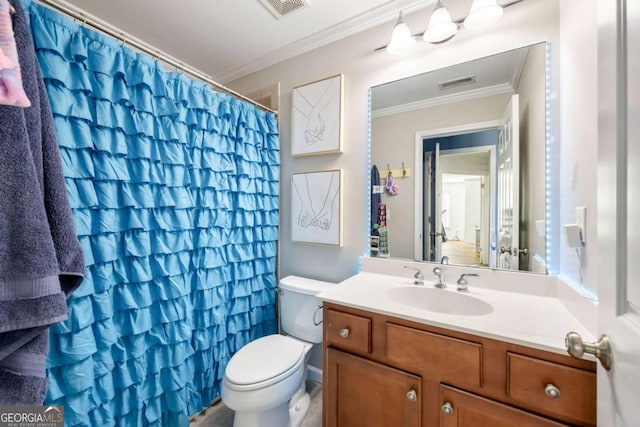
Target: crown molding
pixel 500 89
pixel 364 21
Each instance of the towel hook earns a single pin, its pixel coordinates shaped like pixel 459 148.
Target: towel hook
pixel 12 10
pixel 388 169
pixel 404 171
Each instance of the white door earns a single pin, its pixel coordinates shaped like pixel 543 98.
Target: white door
pixel 619 209
pixel 438 233
pixel 426 207
pixel 508 249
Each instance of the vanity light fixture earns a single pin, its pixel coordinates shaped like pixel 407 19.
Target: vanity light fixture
pixel 483 13
pixel 441 28
pixel 401 39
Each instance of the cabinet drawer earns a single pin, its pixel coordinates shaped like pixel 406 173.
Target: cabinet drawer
pixel 443 358
pixel 348 331
pixel 529 378
pixel 461 409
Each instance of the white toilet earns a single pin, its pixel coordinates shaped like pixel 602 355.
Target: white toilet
pixel 265 381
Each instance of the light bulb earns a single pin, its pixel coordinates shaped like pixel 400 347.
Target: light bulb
pixel 440 26
pixel 482 14
pixel 401 39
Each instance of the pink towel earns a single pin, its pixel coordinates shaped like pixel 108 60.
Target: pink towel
pixel 11 90
pixel 391 187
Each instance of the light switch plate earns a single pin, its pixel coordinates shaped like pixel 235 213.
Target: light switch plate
pixel 581 221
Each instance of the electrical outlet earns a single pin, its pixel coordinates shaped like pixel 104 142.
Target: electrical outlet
pixel 581 221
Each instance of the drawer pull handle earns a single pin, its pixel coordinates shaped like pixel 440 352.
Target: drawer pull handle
pixel 447 408
pixel 344 332
pixel 552 391
pixel 412 395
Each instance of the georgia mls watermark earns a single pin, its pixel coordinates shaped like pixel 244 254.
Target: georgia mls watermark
pixel 31 416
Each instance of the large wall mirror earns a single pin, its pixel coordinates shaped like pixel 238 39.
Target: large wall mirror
pixel 460 156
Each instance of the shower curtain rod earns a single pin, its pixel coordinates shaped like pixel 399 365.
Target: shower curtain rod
pixel 137 44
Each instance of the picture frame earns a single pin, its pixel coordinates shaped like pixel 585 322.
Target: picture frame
pixel 316 117
pixel 316 207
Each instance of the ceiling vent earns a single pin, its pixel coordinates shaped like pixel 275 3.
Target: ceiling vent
pixel 457 82
pixel 281 8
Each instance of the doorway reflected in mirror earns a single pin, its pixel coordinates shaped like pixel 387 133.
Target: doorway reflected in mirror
pixel 419 117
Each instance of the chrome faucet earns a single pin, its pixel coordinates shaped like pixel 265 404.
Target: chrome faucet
pixel 418 277
pixel 462 282
pixel 444 260
pixel 439 278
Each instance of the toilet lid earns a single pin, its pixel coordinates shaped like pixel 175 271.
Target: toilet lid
pixel 263 359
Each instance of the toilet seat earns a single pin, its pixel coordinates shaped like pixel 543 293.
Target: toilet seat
pixel 263 362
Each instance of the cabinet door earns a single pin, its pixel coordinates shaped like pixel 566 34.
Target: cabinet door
pixel 362 393
pixel 461 409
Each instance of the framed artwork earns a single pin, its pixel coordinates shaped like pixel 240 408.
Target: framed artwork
pixel 316 207
pixel 316 118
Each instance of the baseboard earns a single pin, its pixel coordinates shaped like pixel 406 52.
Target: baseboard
pixel 314 374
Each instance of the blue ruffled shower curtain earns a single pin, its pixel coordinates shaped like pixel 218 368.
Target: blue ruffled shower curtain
pixel 174 192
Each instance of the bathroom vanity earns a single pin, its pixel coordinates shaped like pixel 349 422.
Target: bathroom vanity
pixel 388 361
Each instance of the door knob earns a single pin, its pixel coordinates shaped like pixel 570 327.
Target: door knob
pixel 412 395
pixel 601 349
pixel 513 251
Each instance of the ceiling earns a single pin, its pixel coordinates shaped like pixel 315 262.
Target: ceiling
pixel 228 39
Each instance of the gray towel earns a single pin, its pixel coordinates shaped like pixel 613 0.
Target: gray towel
pixel 41 260
pixel 22 374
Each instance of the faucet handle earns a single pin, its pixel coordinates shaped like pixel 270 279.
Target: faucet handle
pixel 439 278
pixel 418 273
pixel 419 278
pixel 462 281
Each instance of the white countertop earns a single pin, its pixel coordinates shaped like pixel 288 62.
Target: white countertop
pixel 531 320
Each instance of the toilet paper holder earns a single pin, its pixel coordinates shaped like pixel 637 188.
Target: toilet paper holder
pixel 315 314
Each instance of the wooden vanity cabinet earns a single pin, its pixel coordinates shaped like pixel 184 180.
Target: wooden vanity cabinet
pixel 384 371
pixel 371 394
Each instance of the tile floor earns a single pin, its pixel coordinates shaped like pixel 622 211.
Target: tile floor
pixel 219 415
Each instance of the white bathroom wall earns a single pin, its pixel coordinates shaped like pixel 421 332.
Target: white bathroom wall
pixel 523 24
pixel 579 101
pixel 473 208
pixel 457 208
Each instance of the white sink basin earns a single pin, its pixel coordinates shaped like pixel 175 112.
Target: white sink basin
pixel 439 300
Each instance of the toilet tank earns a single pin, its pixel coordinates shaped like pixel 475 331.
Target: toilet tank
pixel 299 307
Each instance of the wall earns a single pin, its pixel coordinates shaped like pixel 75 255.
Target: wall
pixel 473 209
pixel 579 147
pixel 523 24
pixel 457 208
